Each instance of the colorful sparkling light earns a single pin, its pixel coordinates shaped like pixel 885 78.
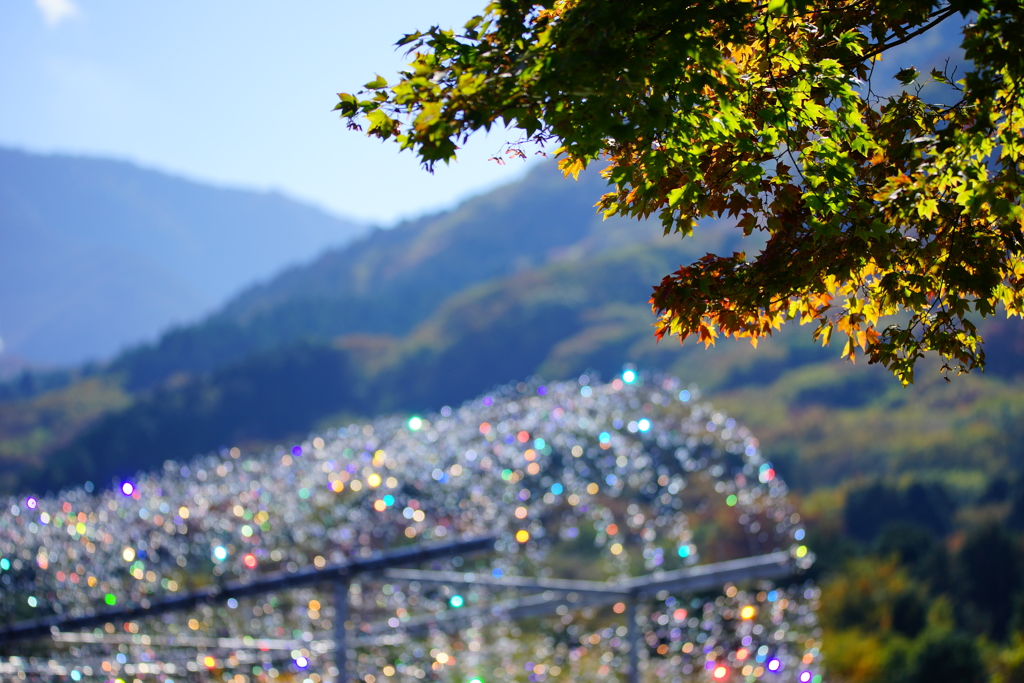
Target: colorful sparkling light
pixel 612 471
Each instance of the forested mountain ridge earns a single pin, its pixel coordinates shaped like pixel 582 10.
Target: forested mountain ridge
pixel 548 289
pixel 98 254
pixel 537 220
pixel 379 303
pixel 391 280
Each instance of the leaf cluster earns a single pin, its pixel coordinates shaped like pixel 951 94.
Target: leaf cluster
pixel 891 220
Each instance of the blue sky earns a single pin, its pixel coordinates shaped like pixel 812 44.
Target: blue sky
pixel 229 92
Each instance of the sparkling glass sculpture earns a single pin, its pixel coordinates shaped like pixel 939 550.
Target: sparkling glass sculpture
pixel 611 486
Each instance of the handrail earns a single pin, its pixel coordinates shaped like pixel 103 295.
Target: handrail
pixel 218 593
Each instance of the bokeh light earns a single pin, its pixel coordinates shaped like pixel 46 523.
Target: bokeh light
pixel 583 479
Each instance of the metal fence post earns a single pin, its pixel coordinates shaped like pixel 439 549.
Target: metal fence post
pixel 634 642
pixel 341 588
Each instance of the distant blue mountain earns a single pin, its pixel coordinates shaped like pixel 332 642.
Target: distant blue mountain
pixel 96 255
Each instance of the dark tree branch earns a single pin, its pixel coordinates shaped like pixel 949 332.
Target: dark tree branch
pixel 941 17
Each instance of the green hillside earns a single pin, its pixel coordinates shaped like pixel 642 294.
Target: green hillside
pixel 546 288
pixel 824 421
pixel 561 319
pixel 394 279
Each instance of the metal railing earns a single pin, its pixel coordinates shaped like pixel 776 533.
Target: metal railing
pixel 546 596
pixel 340 574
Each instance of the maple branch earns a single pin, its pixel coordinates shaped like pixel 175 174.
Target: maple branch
pixel 927 27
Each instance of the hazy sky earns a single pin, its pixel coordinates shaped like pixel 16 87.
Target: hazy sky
pixel 236 93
